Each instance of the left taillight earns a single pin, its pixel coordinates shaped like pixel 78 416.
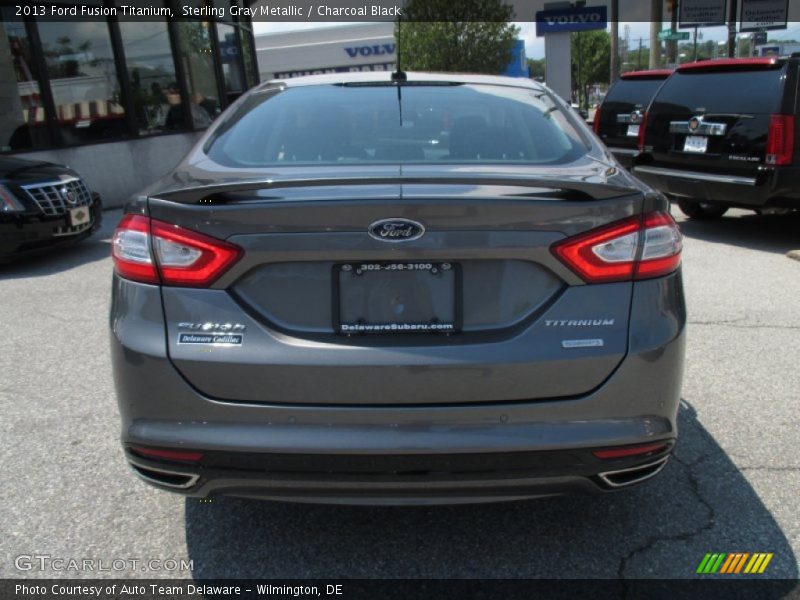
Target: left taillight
pixel 639 247
pixel 152 251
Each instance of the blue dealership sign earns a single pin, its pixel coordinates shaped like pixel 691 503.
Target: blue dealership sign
pixel 571 19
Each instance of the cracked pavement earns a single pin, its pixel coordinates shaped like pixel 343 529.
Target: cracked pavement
pixel 732 486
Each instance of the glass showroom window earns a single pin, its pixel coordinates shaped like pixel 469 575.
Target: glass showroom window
pixel 22 117
pixel 197 57
pixel 151 72
pixel 231 65
pixel 250 68
pixel 83 79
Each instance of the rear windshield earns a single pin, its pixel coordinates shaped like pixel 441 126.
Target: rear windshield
pixel 633 91
pixel 723 92
pixel 341 124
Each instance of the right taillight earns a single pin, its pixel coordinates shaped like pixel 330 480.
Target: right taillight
pixel 151 251
pixel 780 140
pixel 642 132
pixel 635 248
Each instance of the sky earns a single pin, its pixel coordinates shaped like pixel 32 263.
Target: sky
pixel 534 47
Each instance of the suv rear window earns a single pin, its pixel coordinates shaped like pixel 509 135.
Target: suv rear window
pixel 341 124
pixel 637 91
pixel 723 92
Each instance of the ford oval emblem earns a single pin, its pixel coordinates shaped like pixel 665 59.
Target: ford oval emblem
pixel 396 230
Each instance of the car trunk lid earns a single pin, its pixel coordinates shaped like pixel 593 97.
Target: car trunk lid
pixel 523 326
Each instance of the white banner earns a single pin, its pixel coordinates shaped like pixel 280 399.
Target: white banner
pixel 702 13
pixel 755 15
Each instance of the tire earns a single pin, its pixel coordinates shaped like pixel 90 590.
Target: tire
pixel 701 211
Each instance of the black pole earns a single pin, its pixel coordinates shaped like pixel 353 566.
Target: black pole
pixel 732 29
pixel 673 44
pixel 639 56
pixel 695 44
pixel 614 66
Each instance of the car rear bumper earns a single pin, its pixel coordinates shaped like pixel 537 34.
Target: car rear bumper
pixel 392 454
pixel 779 187
pixel 30 234
pixel 399 479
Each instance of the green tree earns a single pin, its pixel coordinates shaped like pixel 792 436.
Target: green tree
pixel 590 62
pixel 456 35
pixel 536 68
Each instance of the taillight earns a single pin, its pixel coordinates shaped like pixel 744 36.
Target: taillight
pixel 130 249
pixel 152 251
pixel 596 122
pixel 634 248
pixel 642 130
pixel 780 140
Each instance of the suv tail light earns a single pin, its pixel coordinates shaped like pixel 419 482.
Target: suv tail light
pixel 152 251
pixel 780 140
pixel 596 122
pixel 642 130
pixel 639 247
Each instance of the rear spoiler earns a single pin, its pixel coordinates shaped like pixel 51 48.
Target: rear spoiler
pixel 269 189
pixel 731 64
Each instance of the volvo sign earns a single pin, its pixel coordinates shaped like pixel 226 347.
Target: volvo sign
pixel 571 19
pixel 371 50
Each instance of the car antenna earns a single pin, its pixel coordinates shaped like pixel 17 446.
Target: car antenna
pixel 398 75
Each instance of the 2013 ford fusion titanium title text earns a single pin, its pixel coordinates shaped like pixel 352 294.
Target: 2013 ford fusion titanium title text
pixel 397 289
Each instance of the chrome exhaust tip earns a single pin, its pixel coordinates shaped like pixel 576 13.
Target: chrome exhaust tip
pixel 164 477
pixel 625 477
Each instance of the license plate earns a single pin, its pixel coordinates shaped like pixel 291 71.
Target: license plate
pixel 79 216
pixel 633 130
pixel 397 297
pixel 695 143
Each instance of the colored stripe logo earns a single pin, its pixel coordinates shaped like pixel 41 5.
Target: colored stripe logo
pixel 734 563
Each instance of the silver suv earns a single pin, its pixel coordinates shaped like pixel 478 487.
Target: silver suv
pixel 395 289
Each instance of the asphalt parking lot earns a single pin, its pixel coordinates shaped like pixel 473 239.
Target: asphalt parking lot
pixel 732 486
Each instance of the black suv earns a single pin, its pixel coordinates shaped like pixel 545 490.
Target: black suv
pixel 720 133
pixel 620 115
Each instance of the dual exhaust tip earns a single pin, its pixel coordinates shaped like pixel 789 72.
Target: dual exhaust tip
pixel 166 478
pixel 625 477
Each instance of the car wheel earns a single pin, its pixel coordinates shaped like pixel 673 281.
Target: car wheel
pixel 702 211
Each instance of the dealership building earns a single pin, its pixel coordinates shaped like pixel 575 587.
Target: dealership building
pixel 342 49
pixel 335 49
pixel 120 101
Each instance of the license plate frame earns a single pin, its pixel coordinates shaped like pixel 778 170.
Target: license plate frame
pixel 80 215
pixel 696 144
pixel 449 271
